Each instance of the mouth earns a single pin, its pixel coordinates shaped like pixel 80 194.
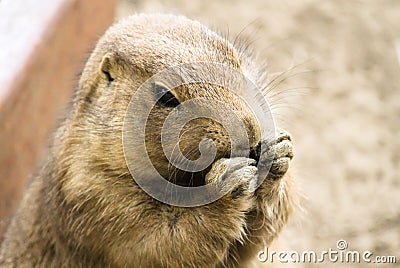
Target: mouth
pixel 255 152
pixel 194 179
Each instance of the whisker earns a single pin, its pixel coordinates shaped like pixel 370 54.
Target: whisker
pixel 280 79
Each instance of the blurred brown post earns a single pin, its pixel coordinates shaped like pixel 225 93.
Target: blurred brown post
pixel 43 46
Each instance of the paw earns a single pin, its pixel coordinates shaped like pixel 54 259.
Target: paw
pixel 277 154
pixel 235 176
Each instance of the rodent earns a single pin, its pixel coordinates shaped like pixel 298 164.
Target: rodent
pixel 83 209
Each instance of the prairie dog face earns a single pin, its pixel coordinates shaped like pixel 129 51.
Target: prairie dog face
pixel 128 55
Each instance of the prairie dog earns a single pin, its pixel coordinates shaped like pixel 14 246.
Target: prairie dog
pixel 84 209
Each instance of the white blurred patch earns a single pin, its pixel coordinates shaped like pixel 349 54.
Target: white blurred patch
pixel 397 44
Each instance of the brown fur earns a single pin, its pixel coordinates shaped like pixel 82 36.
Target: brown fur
pixel 85 210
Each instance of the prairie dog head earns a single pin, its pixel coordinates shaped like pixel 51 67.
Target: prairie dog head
pixel 129 54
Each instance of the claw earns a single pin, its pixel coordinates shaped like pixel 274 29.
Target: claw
pixel 279 152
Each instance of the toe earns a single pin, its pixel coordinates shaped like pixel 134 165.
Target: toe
pixel 282 134
pixel 279 167
pixel 284 149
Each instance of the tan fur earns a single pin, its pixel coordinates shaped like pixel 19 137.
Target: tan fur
pixel 85 210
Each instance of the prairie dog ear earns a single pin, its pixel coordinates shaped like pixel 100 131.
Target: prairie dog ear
pixel 108 67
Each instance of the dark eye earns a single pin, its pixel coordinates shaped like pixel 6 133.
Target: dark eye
pixel 167 97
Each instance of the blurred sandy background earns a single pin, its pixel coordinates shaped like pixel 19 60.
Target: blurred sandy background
pixel 341 102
